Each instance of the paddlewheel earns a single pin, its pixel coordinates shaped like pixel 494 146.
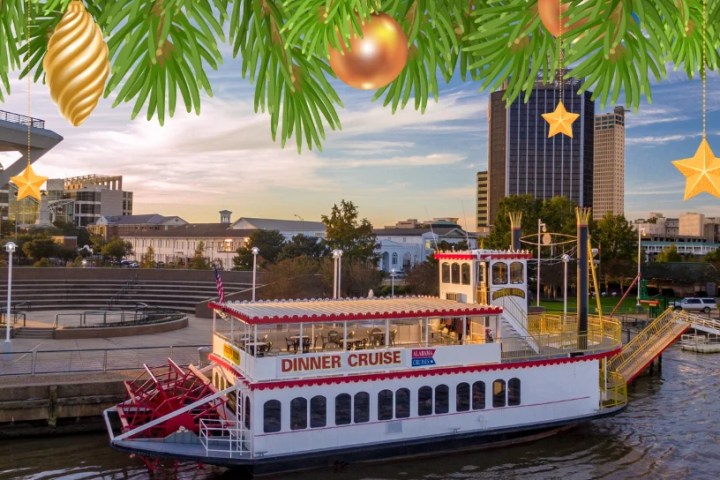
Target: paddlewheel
pixel 159 391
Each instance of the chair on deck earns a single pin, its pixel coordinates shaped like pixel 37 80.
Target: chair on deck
pixel 292 346
pixel 305 344
pixel 333 340
pixel 377 337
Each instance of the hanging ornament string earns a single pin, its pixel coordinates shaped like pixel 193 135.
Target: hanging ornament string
pixel 702 171
pixel 28 183
pixel 560 121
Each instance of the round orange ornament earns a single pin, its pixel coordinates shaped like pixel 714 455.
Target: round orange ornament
pixel 549 12
pixel 376 58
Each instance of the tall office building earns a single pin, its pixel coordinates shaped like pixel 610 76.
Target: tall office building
pixel 481 212
pixel 609 170
pixel 523 160
pixel 83 200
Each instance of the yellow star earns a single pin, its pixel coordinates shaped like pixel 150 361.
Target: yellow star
pixel 702 172
pixel 28 184
pixel 560 121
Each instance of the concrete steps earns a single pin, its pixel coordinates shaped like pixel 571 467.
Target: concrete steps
pixel 25 332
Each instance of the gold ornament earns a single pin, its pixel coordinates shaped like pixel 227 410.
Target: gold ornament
pixel 702 172
pixel 28 183
pixel 376 58
pixel 76 64
pixel 560 121
pixel 549 12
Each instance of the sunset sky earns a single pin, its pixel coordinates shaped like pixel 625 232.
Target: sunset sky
pixel 393 167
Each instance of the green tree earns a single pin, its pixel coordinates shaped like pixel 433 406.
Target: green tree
pixel 198 260
pixel 303 246
pixel 424 278
pixel 296 277
pixel 617 249
pixel 668 254
pixel 500 235
pixel 354 237
pixel 713 257
pixel 40 247
pixel 148 258
pixel 358 277
pixel 269 243
pixel 117 248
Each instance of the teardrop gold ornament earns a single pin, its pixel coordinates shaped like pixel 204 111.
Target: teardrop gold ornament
pixel 76 64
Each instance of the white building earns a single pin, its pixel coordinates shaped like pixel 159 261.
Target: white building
pixel 288 228
pixel 409 242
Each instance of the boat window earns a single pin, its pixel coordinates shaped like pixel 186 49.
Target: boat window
pixel 446 272
pixel 466 274
pixel 514 391
pixel 298 413
pixel 499 393
pixel 385 405
pixel 517 273
pixel 478 396
pixel 442 399
pixel 342 409
pixel 362 407
pixel 425 401
pixel 247 413
pixel 402 403
pixel 455 269
pixel 271 415
pixel 318 411
pixel 462 397
pixel 500 273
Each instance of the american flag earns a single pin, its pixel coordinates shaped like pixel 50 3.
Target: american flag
pixel 219 285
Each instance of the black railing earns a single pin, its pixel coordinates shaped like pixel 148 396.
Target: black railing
pixel 21 119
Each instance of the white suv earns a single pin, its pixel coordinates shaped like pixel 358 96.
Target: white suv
pixel 696 303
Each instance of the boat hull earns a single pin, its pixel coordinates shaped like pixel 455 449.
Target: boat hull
pixel 416 448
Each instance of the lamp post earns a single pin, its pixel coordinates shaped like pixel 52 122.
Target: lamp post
pixel 392 282
pixel 541 229
pixel 337 271
pixel 641 232
pixel 255 251
pixel 565 259
pixel 9 248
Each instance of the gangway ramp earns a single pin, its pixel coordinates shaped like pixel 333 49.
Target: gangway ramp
pixel 699 322
pixel 648 344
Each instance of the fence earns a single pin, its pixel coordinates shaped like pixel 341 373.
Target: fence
pixel 115 318
pixel 95 359
pixel 21 119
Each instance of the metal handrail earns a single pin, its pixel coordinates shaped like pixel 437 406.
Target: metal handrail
pixel 21 119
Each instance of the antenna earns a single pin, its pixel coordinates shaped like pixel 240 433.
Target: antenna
pixel 467 237
pixel 431 229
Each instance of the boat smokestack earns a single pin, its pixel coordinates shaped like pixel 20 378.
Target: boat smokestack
pixel 583 217
pixel 515 224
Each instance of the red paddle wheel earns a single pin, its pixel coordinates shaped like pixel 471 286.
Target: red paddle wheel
pixel 163 390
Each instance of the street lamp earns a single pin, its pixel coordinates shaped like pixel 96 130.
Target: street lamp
pixel 565 259
pixel 541 230
pixel 392 282
pixel 337 271
pixel 9 248
pixel 641 232
pixel 255 251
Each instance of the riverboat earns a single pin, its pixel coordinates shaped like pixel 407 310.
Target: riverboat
pixel 299 384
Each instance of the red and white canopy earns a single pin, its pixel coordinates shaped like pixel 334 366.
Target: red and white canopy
pixel 358 309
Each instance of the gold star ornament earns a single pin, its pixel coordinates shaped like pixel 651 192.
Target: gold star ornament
pixel 702 172
pixel 28 184
pixel 560 121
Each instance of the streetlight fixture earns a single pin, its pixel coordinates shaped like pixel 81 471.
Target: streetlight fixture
pixel 255 251
pixel 541 230
pixel 641 232
pixel 9 248
pixel 565 259
pixel 337 271
pixel 392 282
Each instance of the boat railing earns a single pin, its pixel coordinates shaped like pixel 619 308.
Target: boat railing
pixel 224 436
pixel 614 390
pixel 555 338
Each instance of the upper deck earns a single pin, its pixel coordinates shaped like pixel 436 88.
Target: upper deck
pixel 280 340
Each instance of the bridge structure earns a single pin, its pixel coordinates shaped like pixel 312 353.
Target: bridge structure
pixel 655 338
pixel 14 138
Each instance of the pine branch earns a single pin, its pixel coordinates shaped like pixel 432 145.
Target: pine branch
pixel 12 26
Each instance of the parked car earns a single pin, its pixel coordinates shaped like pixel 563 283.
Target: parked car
pixel 704 304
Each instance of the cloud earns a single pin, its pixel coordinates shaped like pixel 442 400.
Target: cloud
pixel 433 159
pixel 659 139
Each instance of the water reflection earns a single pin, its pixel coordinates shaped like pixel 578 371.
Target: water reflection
pixel 668 432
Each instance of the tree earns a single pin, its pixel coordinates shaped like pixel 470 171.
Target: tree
pixel 303 246
pixel 668 254
pixel 617 248
pixel 117 248
pixel 424 278
pixel 355 238
pixel 41 247
pixel 296 277
pixel 148 258
pixel 713 257
pixel 199 261
pixel 358 278
pixel 269 242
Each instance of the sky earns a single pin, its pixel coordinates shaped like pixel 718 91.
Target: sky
pixel 391 166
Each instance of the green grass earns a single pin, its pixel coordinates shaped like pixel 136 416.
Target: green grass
pixel 608 304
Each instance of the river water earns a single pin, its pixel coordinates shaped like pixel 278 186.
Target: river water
pixel 671 430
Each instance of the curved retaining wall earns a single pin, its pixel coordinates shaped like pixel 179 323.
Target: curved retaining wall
pixel 120 331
